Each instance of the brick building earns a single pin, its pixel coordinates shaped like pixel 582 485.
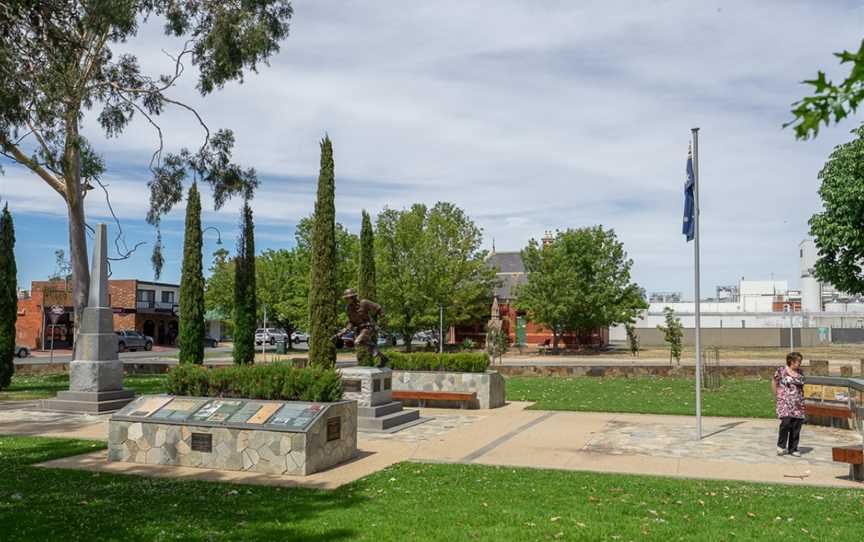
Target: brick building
pixel 511 274
pixel 147 307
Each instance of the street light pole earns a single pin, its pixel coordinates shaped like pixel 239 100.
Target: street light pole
pixel 441 328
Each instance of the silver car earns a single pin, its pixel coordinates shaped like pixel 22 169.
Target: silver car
pixel 129 339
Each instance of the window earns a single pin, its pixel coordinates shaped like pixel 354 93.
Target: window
pixel 167 297
pixel 148 296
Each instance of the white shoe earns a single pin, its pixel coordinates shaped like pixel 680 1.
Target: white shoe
pixel 796 453
pixel 781 451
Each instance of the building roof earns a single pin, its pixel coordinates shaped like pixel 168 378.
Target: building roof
pixel 511 273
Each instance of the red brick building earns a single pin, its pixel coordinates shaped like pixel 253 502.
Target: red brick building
pixel 147 307
pixel 511 274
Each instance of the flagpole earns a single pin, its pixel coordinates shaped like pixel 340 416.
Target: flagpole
pixel 695 132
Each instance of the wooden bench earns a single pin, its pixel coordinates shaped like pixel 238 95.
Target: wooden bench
pixel 854 455
pixel 423 396
pixel 833 411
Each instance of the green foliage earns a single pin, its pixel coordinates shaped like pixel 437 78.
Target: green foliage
pixel 497 342
pixel 632 339
pixel 191 338
pixel 366 268
pixel 837 229
pixel 273 381
pixel 425 257
pixel 245 299
pixel 8 297
pixel 578 282
pixel 323 296
pixel 673 333
pixel 61 60
pixel 830 100
pixel 462 362
pixel 219 288
pixel 281 282
pixel 467 344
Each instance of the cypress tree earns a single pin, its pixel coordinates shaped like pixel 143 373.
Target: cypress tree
pixel 191 340
pixel 323 297
pixel 245 300
pixel 8 298
pixel 366 269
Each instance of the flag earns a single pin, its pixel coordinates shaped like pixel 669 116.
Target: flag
pixel 689 200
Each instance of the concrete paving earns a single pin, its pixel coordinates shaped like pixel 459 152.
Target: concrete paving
pixel 732 448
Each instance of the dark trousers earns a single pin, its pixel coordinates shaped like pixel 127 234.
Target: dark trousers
pixel 790 432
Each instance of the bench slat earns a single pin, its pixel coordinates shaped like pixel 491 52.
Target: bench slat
pixel 848 454
pixel 435 395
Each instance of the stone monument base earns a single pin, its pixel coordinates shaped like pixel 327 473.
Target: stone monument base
pixel 91 402
pixel 377 412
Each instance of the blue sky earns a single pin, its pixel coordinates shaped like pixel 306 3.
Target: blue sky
pixel 530 116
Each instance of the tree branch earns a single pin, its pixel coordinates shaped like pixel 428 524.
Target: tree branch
pixel 18 156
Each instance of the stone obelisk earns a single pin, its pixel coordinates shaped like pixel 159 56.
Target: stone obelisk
pixel 96 375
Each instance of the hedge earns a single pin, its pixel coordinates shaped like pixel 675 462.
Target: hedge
pixel 462 362
pixel 275 381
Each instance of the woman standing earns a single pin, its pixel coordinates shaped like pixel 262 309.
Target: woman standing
pixel 788 386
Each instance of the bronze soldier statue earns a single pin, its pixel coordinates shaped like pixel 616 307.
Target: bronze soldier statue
pixel 362 319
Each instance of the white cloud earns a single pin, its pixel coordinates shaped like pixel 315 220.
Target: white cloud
pixel 531 116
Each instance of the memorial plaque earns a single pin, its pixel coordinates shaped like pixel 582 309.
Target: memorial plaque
pixel 202 442
pixel 149 406
pixel 217 411
pixel 264 413
pixel 295 416
pixel 245 413
pixel 376 385
pixel 178 409
pixel 351 385
pixel 334 428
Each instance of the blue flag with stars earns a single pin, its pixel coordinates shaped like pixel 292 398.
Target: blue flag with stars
pixel 689 226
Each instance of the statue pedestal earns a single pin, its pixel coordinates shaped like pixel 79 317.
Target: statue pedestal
pixel 377 412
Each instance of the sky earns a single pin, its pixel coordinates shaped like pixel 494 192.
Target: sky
pixel 531 116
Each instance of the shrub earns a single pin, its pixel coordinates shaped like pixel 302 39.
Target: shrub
pixel 275 381
pixel 467 344
pixel 462 362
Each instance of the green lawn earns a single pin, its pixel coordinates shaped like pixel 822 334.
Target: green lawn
pixel 408 502
pixel 30 387
pixel 749 398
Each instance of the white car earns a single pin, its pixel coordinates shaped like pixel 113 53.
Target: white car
pixel 270 336
pixel 299 337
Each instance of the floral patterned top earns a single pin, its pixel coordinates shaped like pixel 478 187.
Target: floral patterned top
pixel 790 393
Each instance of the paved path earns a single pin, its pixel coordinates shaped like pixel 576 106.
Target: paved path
pixel 733 448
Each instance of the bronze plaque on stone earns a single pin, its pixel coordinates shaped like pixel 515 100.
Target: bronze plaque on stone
pixel 376 386
pixel 351 385
pixel 202 442
pixel 334 428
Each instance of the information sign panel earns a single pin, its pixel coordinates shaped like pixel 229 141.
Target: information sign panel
pixel 295 416
pixel 178 409
pixel 217 411
pixel 149 405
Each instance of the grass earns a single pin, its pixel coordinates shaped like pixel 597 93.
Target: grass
pixel 31 387
pixel 750 398
pixel 835 352
pixel 409 501
pixel 208 354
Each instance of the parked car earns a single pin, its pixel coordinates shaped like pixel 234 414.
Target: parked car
pixel 129 339
pixel 21 351
pixel 210 342
pixel 427 337
pixel 346 340
pixel 299 337
pixel 270 336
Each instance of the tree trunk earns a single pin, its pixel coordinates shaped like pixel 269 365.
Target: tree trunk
pixel 77 226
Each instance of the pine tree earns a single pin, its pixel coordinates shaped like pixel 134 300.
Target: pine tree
pixel 323 296
pixel 8 298
pixel 191 340
pixel 245 300
pixel 366 269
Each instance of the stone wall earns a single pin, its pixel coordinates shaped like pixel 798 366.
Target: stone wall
pixel 489 386
pixel 255 450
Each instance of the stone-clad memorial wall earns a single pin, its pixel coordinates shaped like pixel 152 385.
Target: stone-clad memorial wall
pixel 273 437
